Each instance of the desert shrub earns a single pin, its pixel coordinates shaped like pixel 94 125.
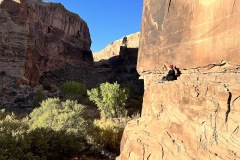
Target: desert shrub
pixel 73 88
pixel 39 97
pixel 3 114
pixel 54 145
pixel 110 99
pixel 109 134
pixel 60 115
pixel 17 142
pixel 12 142
pixel 10 124
pixel 74 91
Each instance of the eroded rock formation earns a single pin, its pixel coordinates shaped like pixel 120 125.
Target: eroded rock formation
pixel 196 116
pixel 37 37
pixel 113 49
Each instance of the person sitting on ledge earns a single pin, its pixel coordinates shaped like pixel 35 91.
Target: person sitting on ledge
pixel 171 75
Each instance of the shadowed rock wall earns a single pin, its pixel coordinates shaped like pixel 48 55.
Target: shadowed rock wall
pixel 37 37
pixel 196 116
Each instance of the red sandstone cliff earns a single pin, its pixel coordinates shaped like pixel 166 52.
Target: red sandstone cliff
pixel 37 37
pixel 196 116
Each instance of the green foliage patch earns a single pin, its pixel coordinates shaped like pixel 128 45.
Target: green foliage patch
pixel 39 97
pixel 109 134
pixel 60 115
pixel 73 88
pixel 55 130
pixel 74 91
pixel 110 99
pixel 61 129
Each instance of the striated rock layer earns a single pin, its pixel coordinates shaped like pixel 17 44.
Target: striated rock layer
pixel 196 116
pixel 37 37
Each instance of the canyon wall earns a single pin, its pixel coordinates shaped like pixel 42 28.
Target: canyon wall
pixel 197 115
pixel 113 49
pixel 37 37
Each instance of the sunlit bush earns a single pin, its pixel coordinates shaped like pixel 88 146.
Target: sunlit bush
pixel 110 99
pixel 12 141
pixel 18 142
pixel 109 134
pixel 57 115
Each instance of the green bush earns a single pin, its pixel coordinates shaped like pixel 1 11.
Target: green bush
pixel 110 99
pixel 54 145
pixel 39 97
pixel 74 91
pixel 53 114
pixel 12 141
pixel 24 140
pixel 73 88
pixel 108 134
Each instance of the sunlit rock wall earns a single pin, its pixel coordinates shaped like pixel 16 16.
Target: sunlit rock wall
pixel 196 116
pixel 37 37
pixel 113 49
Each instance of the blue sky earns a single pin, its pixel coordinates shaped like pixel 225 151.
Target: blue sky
pixel 108 20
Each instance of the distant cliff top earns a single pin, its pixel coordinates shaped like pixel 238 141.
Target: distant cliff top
pixel 113 48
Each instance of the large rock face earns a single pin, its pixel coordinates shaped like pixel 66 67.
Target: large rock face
pixel 196 116
pixel 37 37
pixel 113 49
pixel 189 34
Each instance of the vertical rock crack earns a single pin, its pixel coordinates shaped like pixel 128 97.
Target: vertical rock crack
pixel 228 103
pixel 169 5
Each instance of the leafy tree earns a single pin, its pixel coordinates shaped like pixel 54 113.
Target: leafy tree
pixel 110 99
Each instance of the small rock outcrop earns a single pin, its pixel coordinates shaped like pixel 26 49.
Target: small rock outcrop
pixel 197 115
pixel 36 37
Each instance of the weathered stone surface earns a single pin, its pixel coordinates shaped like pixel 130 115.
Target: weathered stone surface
pixel 37 37
pixel 113 49
pixel 189 33
pixel 196 116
